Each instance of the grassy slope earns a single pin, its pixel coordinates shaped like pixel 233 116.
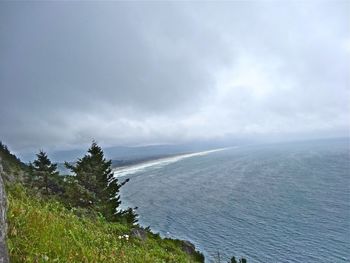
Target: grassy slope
pixel 45 231
pixel 14 169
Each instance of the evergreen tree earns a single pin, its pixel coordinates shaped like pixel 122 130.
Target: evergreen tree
pixel 43 173
pixel 129 216
pixel 94 173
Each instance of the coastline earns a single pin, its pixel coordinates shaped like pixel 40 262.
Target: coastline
pixel 158 162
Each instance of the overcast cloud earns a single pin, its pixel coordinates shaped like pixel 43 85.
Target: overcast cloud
pixel 138 73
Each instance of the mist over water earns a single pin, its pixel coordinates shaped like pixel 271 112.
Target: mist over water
pixel 159 163
pixel 269 203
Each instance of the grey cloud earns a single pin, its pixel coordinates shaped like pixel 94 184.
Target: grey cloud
pixel 144 72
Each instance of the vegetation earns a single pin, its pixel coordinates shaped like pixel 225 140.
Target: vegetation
pixel 56 218
pixel 99 188
pixel 45 231
pixel 43 174
pixel 242 260
pixel 12 166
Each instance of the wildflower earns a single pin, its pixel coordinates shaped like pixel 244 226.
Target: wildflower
pixel 126 237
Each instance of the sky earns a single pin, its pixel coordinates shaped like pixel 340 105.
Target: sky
pixel 138 73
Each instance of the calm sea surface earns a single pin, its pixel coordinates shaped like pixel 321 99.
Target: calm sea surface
pixel 285 202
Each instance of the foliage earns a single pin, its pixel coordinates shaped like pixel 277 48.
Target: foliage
pixel 13 167
pixel 69 219
pixel 233 260
pixel 98 187
pixel 43 175
pixel 75 195
pixel 45 231
pixel 128 216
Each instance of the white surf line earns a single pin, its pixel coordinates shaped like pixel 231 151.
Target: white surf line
pixel 158 163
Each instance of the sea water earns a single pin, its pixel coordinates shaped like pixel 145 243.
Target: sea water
pixel 286 202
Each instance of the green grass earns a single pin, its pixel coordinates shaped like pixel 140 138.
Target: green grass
pixel 45 231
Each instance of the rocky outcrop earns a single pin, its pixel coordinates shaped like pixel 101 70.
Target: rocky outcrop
pixel 139 233
pixel 3 225
pixel 188 247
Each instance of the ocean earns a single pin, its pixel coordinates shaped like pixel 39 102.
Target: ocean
pixel 285 202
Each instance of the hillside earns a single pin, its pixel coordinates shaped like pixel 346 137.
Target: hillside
pixel 13 168
pixel 43 229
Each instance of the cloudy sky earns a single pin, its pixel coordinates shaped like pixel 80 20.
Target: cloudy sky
pixel 128 73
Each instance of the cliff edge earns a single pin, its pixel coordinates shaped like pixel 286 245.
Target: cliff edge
pixel 3 225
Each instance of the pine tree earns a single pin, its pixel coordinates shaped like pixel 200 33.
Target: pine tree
pixel 129 216
pixel 94 173
pixel 43 172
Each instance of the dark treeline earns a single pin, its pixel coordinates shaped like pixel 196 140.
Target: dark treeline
pixel 91 188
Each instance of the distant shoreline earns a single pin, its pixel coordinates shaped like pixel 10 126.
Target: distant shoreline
pixel 134 166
